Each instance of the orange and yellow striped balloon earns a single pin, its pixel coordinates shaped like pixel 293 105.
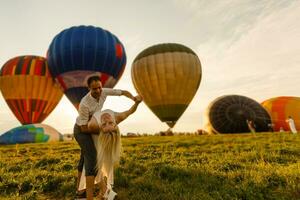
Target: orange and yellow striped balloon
pixel 167 76
pixel 28 88
pixel 280 108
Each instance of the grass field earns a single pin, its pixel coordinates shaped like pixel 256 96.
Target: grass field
pixel 261 166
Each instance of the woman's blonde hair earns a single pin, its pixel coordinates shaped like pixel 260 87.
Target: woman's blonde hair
pixel 109 151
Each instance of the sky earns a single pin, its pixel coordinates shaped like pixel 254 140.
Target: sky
pixel 246 47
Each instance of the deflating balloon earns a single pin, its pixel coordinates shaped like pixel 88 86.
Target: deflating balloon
pixel 77 53
pixel 229 114
pixel 28 88
pixel 31 133
pixel 167 76
pixel 280 108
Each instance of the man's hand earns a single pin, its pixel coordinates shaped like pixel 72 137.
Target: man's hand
pixel 84 129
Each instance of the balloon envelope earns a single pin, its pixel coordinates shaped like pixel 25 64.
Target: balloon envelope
pixel 167 76
pixel 79 52
pixel 29 89
pixel 228 114
pixel 31 133
pixel 280 108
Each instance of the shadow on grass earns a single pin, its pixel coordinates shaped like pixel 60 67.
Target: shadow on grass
pixel 168 182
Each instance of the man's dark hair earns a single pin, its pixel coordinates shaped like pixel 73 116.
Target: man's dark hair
pixel 91 79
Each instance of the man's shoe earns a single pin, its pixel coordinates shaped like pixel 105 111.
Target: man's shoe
pixel 109 194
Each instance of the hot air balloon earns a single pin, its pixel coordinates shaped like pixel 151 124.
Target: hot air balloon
pixel 28 88
pixel 79 52
pixel 229 114
pixel 31 133
pixel 167 76
pixel 280 108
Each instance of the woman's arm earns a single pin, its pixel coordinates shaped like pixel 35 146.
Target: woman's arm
pixel 123 115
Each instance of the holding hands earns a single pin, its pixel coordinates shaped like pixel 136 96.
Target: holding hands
pixel 138 99
pixel 123 115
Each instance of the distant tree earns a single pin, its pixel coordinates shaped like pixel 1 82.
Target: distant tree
pixel 129 134
pixel 201 132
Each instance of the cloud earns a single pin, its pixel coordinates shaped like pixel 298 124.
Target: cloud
pixel 218 20
pixel 245 47
pixel 267 56
pixel 262 63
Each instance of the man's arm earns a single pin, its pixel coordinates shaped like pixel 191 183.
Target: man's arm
pixel 123 115
pixel 116 92
pixel 93 126
pixel 83 118
pixel 128 94
pixel 86 126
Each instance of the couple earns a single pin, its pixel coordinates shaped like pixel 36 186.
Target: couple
pixel 99 138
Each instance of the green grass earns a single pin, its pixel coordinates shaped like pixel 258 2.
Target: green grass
pixel 261 166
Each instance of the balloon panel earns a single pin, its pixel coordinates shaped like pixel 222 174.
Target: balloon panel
pixel 79 52
pixel 280 108
pixel 167 76
pixel 28 88
pixel 31 133
pixel 229 114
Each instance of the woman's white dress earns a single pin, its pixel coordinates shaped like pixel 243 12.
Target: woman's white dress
pixel 108 173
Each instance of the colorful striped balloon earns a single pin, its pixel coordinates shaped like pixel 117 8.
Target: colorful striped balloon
pixel 31 133
pixel 280 108
pixel 167 76
pixel 28 88
pixel 79 52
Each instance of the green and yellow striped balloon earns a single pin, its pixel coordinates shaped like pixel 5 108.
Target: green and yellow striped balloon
pixel 167 76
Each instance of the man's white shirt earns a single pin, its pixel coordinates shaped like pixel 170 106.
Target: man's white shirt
pixel 89 105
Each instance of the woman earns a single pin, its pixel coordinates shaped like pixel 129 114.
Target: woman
pixel 108 146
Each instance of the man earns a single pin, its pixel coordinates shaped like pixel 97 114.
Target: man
pixel 89 104
pixel 108 146
pixel 292 126
pixel 251 125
